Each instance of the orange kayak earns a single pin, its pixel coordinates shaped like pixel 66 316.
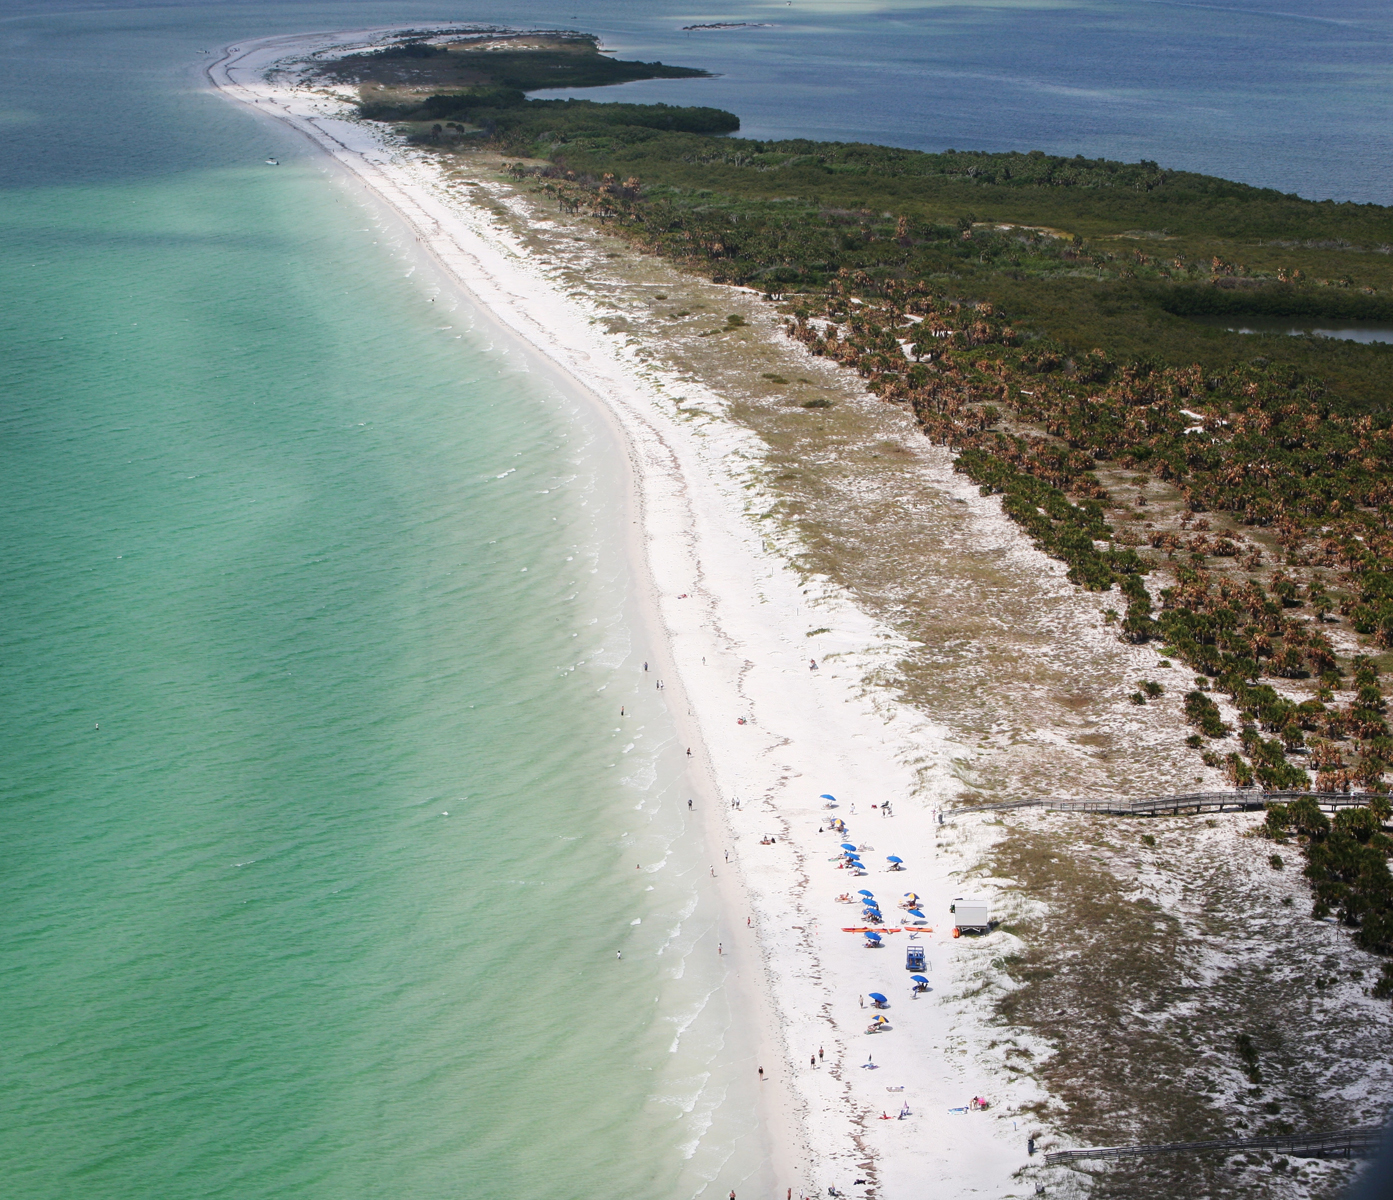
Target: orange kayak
pixel 867 929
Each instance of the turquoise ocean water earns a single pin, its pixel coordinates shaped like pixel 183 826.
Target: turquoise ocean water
pixel 296 561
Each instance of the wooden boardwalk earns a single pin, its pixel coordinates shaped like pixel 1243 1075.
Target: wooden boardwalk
pixel 1342 1143
pixel 1196 802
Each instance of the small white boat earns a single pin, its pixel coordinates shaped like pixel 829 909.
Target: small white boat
pixel 273 162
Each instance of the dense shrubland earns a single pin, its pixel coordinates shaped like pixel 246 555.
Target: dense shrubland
pixel 1258 444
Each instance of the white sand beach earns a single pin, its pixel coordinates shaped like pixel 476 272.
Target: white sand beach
pixel 770 735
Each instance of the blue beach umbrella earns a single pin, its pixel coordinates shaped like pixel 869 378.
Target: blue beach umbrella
pixel 914 912
pixel 893 858
pixel 878 998
pixel 872 937
pixel 848 846
pixel 863 892
pixel 825 796
pixel 918 979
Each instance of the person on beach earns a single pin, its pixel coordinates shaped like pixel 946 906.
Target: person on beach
pixel 862 999
pixel 645 666
pixel 812 1060
pixel 619 954
pixel 819 1054
pixel 689 752
pixel 761 1074
pixel 719 948
pixel 689 802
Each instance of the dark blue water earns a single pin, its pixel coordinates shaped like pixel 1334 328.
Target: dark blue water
pixel 1295 96
pixel 1292 95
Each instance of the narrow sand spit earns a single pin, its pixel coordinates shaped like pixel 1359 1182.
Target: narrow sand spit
pixel 769 735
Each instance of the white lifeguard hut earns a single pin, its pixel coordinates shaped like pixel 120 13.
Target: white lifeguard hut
pixel 971 914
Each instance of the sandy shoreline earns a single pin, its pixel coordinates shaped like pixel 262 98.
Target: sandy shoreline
pixel 730 620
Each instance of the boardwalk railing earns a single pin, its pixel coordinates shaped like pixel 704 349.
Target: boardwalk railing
pixel 1342 1143
pixel 1197 802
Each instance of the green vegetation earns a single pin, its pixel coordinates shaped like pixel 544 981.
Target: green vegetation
pixel 1347 864
pixel 1248 1055
pixel 916 305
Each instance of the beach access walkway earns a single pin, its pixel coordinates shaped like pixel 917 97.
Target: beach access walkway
pixel 1340 1143
pixel 1197 802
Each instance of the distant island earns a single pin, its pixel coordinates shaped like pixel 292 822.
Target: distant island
pixel 729 25
pixel 492 64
